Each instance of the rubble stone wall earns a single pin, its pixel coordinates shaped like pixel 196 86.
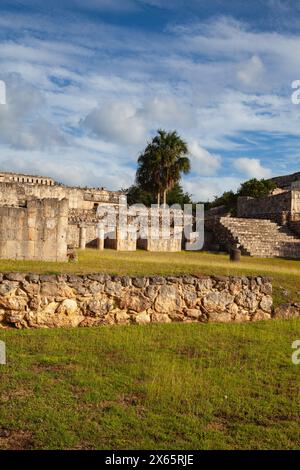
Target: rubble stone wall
pixel 45 301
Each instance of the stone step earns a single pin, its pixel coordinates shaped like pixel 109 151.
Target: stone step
pixel 262 238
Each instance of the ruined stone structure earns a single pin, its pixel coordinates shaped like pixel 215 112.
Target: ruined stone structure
pixel 37 231
pixel 281 208
pixel 264 227
pixel 79 229
pixel 32 300
pixel 22 178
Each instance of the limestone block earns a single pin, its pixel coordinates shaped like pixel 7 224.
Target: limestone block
pixel 168 300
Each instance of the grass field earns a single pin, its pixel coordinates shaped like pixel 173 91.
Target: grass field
pixel 285 273
pixel 177 386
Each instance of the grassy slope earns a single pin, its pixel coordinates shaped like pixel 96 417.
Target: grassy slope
pixel 185 386
pixel 285 273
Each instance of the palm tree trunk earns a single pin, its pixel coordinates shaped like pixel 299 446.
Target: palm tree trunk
pixel 165 197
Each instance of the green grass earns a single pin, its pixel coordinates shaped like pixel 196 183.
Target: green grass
pixel 285 273
pixel 177 386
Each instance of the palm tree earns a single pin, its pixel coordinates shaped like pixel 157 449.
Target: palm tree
pixel 162 163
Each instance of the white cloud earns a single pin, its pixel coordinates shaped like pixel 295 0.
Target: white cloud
pixel 22 123
pixel 117 122
pixel 250 72
pixel 203 162
pixel 252 168
pixel 97 92
pixel 205 189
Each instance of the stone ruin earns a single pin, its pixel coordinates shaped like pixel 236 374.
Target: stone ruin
pixel 263 227
pixel 41 219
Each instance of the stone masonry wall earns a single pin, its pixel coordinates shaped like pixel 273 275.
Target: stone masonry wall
pixel 272 207
pixel 32 300
pixel 14 194
pixel 35 232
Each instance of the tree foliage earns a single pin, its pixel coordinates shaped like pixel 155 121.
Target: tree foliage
pixel 136 195
pixel 256 188
pixel 251 188
pixel 161 164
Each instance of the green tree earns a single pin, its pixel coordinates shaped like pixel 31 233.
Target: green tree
pixel 161 164
pixel 177 196
pixel 135 194
pixel 228 199
pixel 251 188
pixel 256 188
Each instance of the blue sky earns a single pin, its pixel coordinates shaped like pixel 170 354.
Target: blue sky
pixel 89 82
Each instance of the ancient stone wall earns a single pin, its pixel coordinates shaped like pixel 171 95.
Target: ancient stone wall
pixel 171 244
pixel 275 207
pixel 32 300
pixel 14 194
pixel 74 235
pixel 36 232
pixel 6 177
pixel 295 203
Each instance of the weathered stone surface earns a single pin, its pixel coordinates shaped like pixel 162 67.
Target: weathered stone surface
pixel 68 307
pixel 193 313
pixel 160 318
pixel 235 287
pixel 13 303
pixel 247 299
pixel 139 282
pixel 287 311
pixel 29 300
pixel 98 307
pixel 122 317
pixel 64 314
pixel 266 288
pixel 151 292
pixel 190 296
pixel 30 288
pixel 113 288
pixel 13 316
pixel 7 286
pixel 204 284
pixel 168 300
pixel 217 301
pixel 261 315
pixel 95 288
pixel 49 289
pixel 222 317
pixel 142 318
pixel 266 303
pixel 157 280
pixel 241 316
pixel 15 276
pixel 135 301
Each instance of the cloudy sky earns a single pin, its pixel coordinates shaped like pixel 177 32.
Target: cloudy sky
pixel 89 82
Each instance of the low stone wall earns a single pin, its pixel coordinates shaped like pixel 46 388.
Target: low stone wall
pixel 32 300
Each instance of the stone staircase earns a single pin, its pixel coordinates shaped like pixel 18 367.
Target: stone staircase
pixel 261 237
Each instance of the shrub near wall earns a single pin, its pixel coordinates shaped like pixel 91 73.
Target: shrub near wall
pixel 32 300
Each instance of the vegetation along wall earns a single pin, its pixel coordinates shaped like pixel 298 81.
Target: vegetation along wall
pixel 32 300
